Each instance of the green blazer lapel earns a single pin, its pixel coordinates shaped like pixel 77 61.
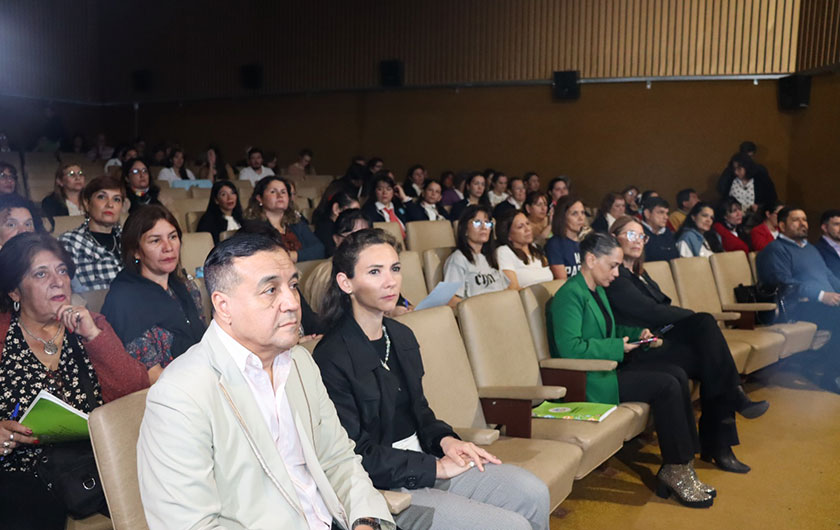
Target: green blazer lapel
pixel 590 304
pixel 602 294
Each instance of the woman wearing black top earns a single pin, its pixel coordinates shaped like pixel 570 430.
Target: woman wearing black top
pixel 138 184
pixel 325 215
pixel 475 192
pixel 224 211
pixel 695 343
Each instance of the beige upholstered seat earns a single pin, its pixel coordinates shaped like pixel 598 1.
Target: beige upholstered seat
pixel 392 228
pixel 94 299
pixel 194 250
pixel 731 269
pixel 182 206
pixel 191 220
pixel 413 281
pixel 65 223
pixel 753 270
pixel 200 193
pixel 502 354
pixel 433 261
pixel 423 235
pixel 660 272
pixel 168 196
pixel 245 188
pixel 227 234
pixel 697 289
pixel 450 388
pixel 315 283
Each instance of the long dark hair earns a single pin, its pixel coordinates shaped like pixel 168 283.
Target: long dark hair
pixel 461 242
pixel 213 209
pixel 16 258
pixel 558 223
pixel 483 199
pixel 336 302
pixel 503 224
pixel 182 172
pixel 324 209
pixel 710 236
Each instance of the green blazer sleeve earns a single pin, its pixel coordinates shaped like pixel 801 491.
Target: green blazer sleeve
pixel 628 331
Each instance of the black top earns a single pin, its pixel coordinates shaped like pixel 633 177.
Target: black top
pixel 600 224
pixel 414 211
pixel 324 230
pixel 660 247
pixel 404 425
pixel 136 201
pixel 603 308
pixel 641 303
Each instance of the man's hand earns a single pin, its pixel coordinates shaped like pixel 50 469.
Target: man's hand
pixel 831 299
pixel 462 453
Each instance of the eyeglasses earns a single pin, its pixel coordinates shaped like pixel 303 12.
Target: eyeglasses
pixel 478 222
pixel 75 174
pixel 8 176
pixel 136 171
pixel 633 236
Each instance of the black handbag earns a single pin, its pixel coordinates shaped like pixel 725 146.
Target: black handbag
pixel 760 293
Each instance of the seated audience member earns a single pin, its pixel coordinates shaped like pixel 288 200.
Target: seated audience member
pixel 515 200
pixel 367 360
pixel 518 257
pixel 696 237
pixel 325 217
pixel 475 191
pixel 225 465
pixel 747 182
pixel 224 211
pixel 175 169
pixel 5 145
pixel 686 199
pixel 414 179
pixel 303 165
pixel 77 145
pixel 536 208
pixel 255 170
pixel 563 249
pixel 581 325
pixel 661 245
pixel 829 243
pixel 140 190
pixel 375 165
pixel 498 189
pixel 382 206
pixel 473 263
pixel 765 232
pixel 101 151
pixel 532 182
pixel 558 188
pixel 123 154
pixel 95 245
pixel 154 309
pixel 810 290
pixel 730 225
pixel 213 166
pixel 271 202
pixel 453 188
pixel 48 344
pixel 67 197
pixel 613 206
pixel 8 179
pixel 18 215
pixel 427 207
pixel 631 201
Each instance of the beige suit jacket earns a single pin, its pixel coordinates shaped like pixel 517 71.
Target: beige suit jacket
pixel 206 458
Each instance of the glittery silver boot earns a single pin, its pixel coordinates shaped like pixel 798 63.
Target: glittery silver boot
pixel 677 479
pixel 705 488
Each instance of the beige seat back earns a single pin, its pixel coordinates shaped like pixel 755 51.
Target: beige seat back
pixel 65 223
pixel 245 188
pixel 730 269
pixel 696 284
pixel 392 228
pixel 423 235
pixel 114 429
pixel 191 221
pixel 751 257
pixel 200 193
pixel 498 340
pixel 534 299
pixel 227 234
pixel 413 281
pixel 448 382
pixel 168 196
pixel 433 261
pixel 181 207
pixel 206 303
pixel 660 272
pixel 194 250
pixel 95 299
pixel 305 268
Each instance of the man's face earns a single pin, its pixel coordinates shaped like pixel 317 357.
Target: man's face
pixel 255 160
pixel 657 218
pixel 264 307
pixel 796 225
pixel 692 200
pixel 517 189
pixel 832 228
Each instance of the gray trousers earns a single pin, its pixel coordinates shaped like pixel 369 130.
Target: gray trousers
pixel 503 497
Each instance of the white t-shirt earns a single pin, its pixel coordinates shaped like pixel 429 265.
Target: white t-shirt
pixel 496 199
pixel 477 278
pixel 249 174
pixel 534 272
pixel 168 174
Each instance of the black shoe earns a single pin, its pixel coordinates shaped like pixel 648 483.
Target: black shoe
pixel 748 408
pixel 831 383
pixel 725 459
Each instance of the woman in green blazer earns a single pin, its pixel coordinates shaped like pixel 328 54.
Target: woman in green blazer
pixel 581 326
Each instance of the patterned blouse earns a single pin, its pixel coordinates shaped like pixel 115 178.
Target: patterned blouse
pixel 22 376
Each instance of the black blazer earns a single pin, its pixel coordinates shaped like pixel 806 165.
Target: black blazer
pixel 52 206
pixel 765 190
pixel 415 212
pixel 600 224
pixel 641 303
pixel 832 260
pixel 373 214
pixel 353 376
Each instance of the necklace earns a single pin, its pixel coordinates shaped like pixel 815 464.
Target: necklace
pixel 50 347
pixel 387 350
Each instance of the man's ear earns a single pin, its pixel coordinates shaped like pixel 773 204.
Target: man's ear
pixel 221 307
pixel 344 283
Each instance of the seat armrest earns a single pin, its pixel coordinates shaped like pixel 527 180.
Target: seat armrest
pixel 397 501
pixel 759 306
pixel 522 392
pixel 477 436
pixel 579 365
pixel 727 315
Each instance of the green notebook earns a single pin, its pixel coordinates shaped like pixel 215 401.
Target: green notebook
pixel 596 412
pixel 53 420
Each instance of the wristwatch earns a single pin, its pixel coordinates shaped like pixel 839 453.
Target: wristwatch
pixel 373 523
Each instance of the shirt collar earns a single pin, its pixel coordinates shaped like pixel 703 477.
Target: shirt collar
pixel 834 244
pixel 380 206
pixel 800 245
pixel 659 233
pixel 242 356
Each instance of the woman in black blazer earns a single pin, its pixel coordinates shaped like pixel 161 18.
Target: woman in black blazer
pixel 695 342
pixel 427 207
pixel 224 210
pixel 373 372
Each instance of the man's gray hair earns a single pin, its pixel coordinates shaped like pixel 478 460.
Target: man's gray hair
pixel 219 274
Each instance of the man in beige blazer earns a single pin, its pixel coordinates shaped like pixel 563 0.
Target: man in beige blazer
pixel 239 432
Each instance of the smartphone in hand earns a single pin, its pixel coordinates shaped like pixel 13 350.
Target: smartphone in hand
pixel 646 341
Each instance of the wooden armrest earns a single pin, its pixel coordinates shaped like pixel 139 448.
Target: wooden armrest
pixel 726 316
pixel 760 306
pixel 579 365
pixel 397 501
pixel 540 392
pixel 478 436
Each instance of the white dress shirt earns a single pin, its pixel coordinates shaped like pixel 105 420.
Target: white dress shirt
pixel 247 173
pixel 278 416
pixel 431 211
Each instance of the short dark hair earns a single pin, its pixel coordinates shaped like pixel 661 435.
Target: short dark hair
pixel 598 244
pixel 306 152
pixel 104 182
pixel 654 202
pixel 253 150
pixel 138 223
pixel 747 147
pixel 828 214
pixel 608 201
pixel 786 211
pixel 218 267
pixel 13 200
pixel 562 178
pixel 769 208
pixel 16 258
pixel 725 206
pixel 347 219
pixel 684 196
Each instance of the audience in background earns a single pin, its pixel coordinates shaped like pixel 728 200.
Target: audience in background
pixel 747 182
pixel 123 155
pixel 476 193
pixel 414 179
pixel 452 193
pixel 18 215
pixel 613 206
pixel 696 237
pixel 765 232
pixel 224 211
pixel 175 169
pixel 558 188
pixel 213 166
pixel 154 308
pixel 563 249
pixel 532 181
pixel 5 145
pixel 303 165
pixel 518 257
pixel 375 165
pixel 427 207
pixel 473 263
pixel 686 199
pixel 730 225
pixel 661 245
pixel 498 189
pixel 517 193
pixel 325 217
pixel 66 198
pixel 101 151
pixel 255 169
pixel 631 201
pixel 536 208
pixel 95 246
pixel 138 185
pixel 382 206
pixel 829 243
pixel 8 179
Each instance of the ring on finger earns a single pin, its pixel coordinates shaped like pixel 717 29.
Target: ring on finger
pixel 68 309
pixel 6 451
pixel 12 436
pixel 7 443
pixel 471 464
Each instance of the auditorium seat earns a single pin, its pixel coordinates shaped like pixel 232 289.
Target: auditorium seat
pixel 413 281
pixel 65 223
pixel 502 355
pixel 660 272
pixel 392 228
pixel 753 270
pixel 191 220
pixel 194 250
pixel 423 235
pixel 246 188
pixel 182 206
pixel 162 184
pixel 731 269
pixel 452 394
pixel 433 261
pixel 227 234
pixel 200 193
pixel 94 299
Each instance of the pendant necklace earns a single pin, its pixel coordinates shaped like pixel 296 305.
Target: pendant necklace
pixel 50 347
pixel 387 349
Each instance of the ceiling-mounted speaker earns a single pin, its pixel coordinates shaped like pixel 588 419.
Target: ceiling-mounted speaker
pixel 794 92
pixel 251 76
pixel 391 73
pixel 141 80
pixel 565 85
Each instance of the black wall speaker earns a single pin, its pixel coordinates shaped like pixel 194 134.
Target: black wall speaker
pixel 794 92
pixel 251 76
pixel 565 85
pixel 141 80
pixel 391 73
